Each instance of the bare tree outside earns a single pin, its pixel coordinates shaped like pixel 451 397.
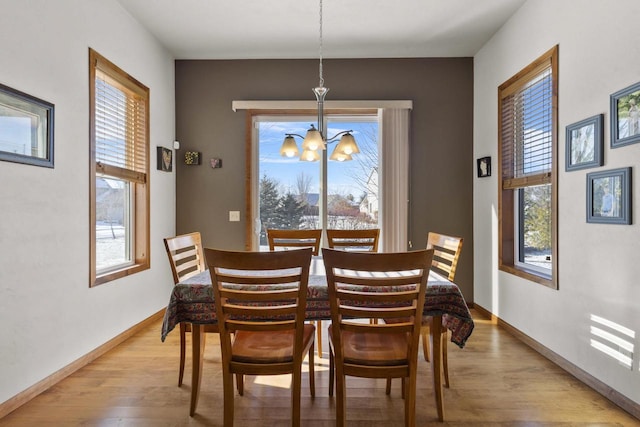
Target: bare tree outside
pixel 364 164
pixel 303 185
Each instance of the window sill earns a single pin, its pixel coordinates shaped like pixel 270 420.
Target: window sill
pixel 543 279
pixel 118 274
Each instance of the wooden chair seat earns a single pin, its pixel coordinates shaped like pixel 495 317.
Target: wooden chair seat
pixel 269 347
pixel 374 349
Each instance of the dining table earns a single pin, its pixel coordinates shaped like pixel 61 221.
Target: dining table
pixel 192 301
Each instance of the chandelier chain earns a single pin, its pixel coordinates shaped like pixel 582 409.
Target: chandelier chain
pixel 320 67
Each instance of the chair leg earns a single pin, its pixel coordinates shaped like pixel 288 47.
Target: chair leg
pixel 183 340
pixel 410 399
pixel 341 398
pixel 296 390
pixel 445 363
pixel 403 388
pixel 319 337
pixel 240 384
pixel 227 385
pixel 426 336
pixel 388 389
pixel 312 375
pixel 424 331
pixel 331 371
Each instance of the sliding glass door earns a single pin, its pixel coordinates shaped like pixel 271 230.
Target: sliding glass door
pixel 293 194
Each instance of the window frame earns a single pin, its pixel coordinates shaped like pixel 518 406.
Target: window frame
pixel 509 239
pixel 139 181
pixel 251 153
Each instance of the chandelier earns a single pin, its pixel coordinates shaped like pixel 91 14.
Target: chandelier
pixel 314 141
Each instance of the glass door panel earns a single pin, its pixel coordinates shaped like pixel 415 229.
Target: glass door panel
pixel 294 194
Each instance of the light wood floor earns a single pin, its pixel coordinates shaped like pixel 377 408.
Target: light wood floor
pixel 495 380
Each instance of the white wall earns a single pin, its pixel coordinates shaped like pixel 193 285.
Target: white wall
pixel 599 48
pixel 49 316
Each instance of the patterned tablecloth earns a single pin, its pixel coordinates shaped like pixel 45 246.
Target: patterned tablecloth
pixel 192 301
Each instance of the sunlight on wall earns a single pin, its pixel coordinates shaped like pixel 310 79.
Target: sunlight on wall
pixel 613 340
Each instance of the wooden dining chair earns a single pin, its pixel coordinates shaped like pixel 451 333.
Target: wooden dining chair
pixel 260 302
pixel 296 239
pixel 366 285
pixel 446 252
pixel 186 259
pixel 445 261
pixel 354 240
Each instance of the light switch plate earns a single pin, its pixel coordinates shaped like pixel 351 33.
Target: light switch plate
pixel 234 216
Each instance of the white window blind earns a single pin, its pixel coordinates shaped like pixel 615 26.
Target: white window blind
pixel 120 126
pixel 527 122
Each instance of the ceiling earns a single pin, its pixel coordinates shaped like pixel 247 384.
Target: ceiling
pixel 289 29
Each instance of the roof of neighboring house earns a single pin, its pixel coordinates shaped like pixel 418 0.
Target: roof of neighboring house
pixel 312 199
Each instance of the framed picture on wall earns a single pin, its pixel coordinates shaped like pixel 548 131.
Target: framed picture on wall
pixel 625 116
pixel 584 144
pixel 609 196
pixel 192 158
pixel 164 159
pixel 26 128
pixel 484 167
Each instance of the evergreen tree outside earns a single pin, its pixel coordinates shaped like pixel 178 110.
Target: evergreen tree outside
pixel 290 212
pixel 537 218
pixel 269 200
pixel 278 212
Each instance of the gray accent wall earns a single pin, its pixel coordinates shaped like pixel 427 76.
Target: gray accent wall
pixel 442 164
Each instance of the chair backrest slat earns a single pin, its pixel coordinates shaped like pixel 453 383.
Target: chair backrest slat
pixel 258 296
pixel 354 240
pixel 296 239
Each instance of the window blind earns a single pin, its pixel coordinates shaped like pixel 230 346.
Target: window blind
pixel 120 129
pixel 526 131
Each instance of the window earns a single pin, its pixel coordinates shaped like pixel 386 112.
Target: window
pixel 119 195
pixel 527 132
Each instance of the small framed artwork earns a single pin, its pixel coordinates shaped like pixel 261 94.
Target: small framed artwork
pixel 165 159
pixel 609 196
pixel 216 163
pixel 484 167
pixel 192 158
pixel 26 128
pixel 625 116
pixel 584 144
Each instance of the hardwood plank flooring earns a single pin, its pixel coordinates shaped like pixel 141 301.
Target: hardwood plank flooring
pixel 495 381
